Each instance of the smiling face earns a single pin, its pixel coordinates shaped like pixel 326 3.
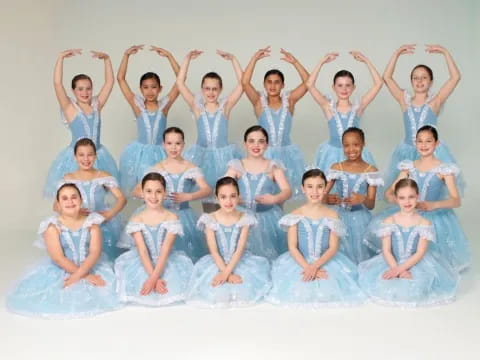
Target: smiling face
pixel 211 89
pixel 150 89
pixel 407 198
pixel 421 80
pixel 352 145
pixel 228 197
pixel 83 91
pixel 69 201
pixel 173 145
pixel 153 194
pixel 273 85
pixel 314 189
pixel 343 87
pixel 425 143
pixel 85 157
pixel 256 144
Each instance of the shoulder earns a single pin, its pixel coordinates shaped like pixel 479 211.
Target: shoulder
pixel 102 173
pixel 336 166
pixel 297 211
pixel 424 221
pixel 137 218
pixel 331 213
pixel 372 168
pixel 69 176
pixel 388 220
pixel 171 216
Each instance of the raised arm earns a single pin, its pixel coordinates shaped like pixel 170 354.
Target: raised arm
pixel 312 79
pixel 301 89
pixel 109 78
pixel 238 91
pixel 122 72
pixel 448 87
pixel 392 85
pixel 249 89
pixel 173 93
pixel 62 97
pixel 390 192
pixel 182 75
pixel 377 81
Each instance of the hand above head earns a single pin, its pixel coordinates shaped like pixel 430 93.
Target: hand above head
pixel 70 53
pixel 133 49
pixel 435 49
pixel 193 54
pixel 287 56
pixel 330 57
pixel 261 53
pixel 406 49
pixel 160 51
pixel 99 55
pixel 225 55
pixel 357 55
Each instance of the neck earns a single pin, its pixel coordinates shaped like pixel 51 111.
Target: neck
pixel 314 206
pixel 255 159
pixel 356 161
pixel 177 159
pixel 408 213
pixel 428 159
pixel 156 210
pixel 421 96
pixel 227 214
pixel 343 102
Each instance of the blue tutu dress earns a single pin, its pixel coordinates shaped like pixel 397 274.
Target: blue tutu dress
pixel 356 218
pixel 413 119
pixel 331 151
pixel 289 290
pixel 280 148
pixel 147 150
pixel 434 281
pixel 212 152
pixel 41 293
pixel 94 193
pixel 82 126
pixel 131 274
pixel 192 242
pixel 266 239
pixel 451 242
pixel 254 270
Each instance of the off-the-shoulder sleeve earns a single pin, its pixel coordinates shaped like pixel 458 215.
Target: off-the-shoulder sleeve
pixel 173 226
pixel 426 232
pixel 40 241
pixel 133 227
pixel 334 174
pixel 193 173
pixel 236 164
pixel 247 220
pixel 448 169
pixel 108 181
pixel 384 229
pixel 405 165
pixel 374 179
pixel 276 164
pixel 93 219
pixel 207 220
pixel 126 240
pixel 289 220
pixel 336 226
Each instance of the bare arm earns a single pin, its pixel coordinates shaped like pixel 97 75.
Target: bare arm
pixel 301 89
pixel 282 182
pixel 94 252
pixel 448 87
pixel 249 89
pixel 163 256
pixel 62 97
pixel 312 79
pixel 236 94
pixel 120 202
pixel 415 258
pixel 182 75
pixel 237 255
pixel 390 192
pixel 104 93
pixel 333 245
pixel 387 252
pixel 213 249
pixel 369 201
pixel 377 81
pixel 392 85
pixel 452 202
pixel 55 250
pixel 122 72
pixel 143 252
pixel 292 239
pixel 173 93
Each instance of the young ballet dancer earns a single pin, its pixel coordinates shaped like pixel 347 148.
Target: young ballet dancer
pixel 82 116
pixel 354 183
pixel 274 108
pixel 150 273
pixel 95 185
pixel 184 183
pixel 313 273
pixel 151 117
pixel 230 276
pixel 75 281
pixel 263 188
pixel 407 273
pixel 212 152
pixel 421 108
pixel 341 112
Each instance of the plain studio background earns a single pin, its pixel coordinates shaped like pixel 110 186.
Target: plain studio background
pixel 33 33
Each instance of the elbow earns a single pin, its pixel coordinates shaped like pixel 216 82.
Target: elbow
pixel 456 202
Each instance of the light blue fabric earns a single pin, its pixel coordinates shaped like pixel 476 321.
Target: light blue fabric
pixel 356 218
pixel 340 289
pixel 254 270
pixel 278 125
pixel 147 150
pixel 131 274
pixel 434 281
pixel 82 126
pixel 94 193
pixel 41 292
pixel 331 151
pixel 266 239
